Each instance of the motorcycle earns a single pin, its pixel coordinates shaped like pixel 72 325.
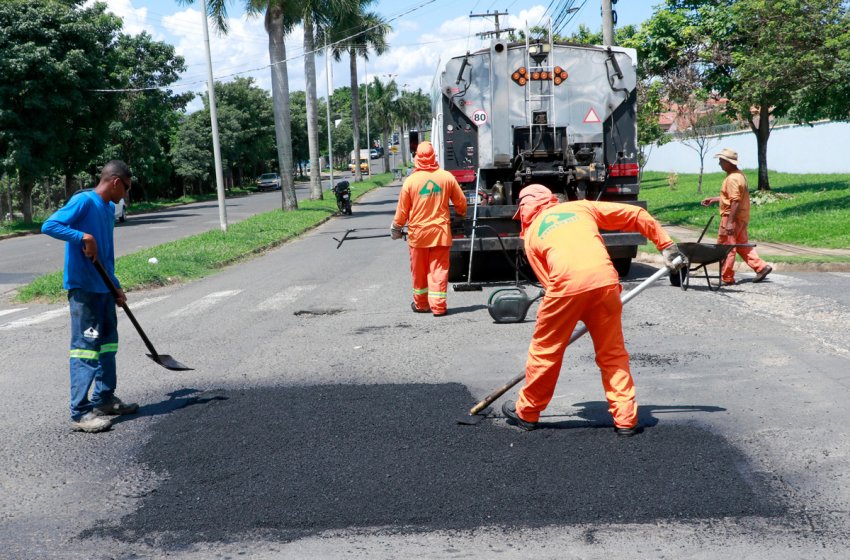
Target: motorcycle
pixel 342 191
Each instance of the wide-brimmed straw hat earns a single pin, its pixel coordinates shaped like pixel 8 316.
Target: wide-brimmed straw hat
pixel 729 155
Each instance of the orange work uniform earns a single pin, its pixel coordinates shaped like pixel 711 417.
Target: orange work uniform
pixel 566 251
pixel 735 189
pixel 424 206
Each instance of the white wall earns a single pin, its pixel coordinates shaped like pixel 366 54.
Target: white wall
pixel 822 148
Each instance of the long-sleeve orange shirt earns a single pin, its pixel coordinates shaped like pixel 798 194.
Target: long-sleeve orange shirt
pixel 424 206
pixel 735 189
pixel 566 251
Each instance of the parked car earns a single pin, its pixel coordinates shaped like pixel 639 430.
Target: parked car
pixel 121 211
pixel 270 181
pixel 376 153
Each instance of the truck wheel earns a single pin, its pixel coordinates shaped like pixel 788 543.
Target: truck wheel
pixel 458 266
pixel 623 265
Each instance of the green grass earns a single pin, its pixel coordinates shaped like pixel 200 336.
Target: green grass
pixel 201 255
pixel 808 210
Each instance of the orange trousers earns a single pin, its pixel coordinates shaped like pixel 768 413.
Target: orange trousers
pixel 601 312
pixel 747 253
pixel 429 267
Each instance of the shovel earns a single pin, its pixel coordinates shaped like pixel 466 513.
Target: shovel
pixel 164 360
pixel 475 415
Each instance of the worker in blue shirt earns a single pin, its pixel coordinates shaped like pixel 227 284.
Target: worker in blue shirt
pixel 86 223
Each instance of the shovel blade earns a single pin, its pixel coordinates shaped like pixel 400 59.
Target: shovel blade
pixel 168 362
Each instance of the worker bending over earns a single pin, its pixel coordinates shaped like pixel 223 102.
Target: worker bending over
pixel 424 206
pixel 566 251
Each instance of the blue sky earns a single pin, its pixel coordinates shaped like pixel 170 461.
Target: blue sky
pixel 423 32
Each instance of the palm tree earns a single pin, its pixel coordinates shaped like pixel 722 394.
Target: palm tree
pixel 317 16
pixel 356 34
pixel 385 110
pixel 278 22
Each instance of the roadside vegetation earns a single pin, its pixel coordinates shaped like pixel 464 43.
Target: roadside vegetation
pixel 204 254
pixel 809 210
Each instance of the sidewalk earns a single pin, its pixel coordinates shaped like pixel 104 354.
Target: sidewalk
pixel 765 250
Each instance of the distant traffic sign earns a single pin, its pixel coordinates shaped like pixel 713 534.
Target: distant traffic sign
pixel 394 149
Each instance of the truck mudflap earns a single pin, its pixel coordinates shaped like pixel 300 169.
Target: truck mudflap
pixel 513 242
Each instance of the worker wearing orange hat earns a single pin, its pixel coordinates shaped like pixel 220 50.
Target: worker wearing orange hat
pixel 568 255
pixel 424 206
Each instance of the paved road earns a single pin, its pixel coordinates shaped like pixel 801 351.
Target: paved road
pixel 24 258
pixel 308 392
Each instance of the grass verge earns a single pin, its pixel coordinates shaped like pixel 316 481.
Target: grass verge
pixel 201 255
pixel 809 210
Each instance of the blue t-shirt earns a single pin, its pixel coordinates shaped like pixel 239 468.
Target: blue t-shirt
pixel 85 212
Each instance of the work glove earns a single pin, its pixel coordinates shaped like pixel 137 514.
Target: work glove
pixel 670 253
pixel 395 232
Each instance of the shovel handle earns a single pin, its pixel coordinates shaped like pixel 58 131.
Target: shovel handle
pixel 577 333
pixel 111 285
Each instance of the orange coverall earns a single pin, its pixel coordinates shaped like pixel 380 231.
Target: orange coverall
pixel 566 251
pixel 735 189
pixel 424 206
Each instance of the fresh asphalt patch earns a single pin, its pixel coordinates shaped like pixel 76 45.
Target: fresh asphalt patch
pixel 289 462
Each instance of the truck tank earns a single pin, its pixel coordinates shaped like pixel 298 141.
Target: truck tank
pixel 556 114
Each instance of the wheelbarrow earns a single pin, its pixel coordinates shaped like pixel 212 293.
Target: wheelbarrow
pixel 700 256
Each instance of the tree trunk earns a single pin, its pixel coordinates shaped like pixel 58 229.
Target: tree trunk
pixel 280 101
pixel 355 112
pixel 762 135
pixel 386 150
pixel 401 145
pixel 312 114
pixel 26 187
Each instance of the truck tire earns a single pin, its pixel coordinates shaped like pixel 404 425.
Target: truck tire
pixel 623 265
pixel 458 266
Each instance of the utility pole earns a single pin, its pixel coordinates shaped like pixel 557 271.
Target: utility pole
pixel 329 79
pixel 219 177
pixel 498 31
pixel 608 16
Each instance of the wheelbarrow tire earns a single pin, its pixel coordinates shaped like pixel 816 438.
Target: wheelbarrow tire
pixel 623 265
pixel 678 277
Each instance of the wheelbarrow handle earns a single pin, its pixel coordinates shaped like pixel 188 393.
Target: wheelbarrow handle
pixel 577 333
pixel 111 285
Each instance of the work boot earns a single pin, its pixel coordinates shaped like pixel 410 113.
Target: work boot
pixel 417 310
pixel 509 410
pixel 761 274
pixel 90 422
pixel 115 407
pixel 628 432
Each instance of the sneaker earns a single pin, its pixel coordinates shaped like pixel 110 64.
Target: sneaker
pixel 627 432
pixel 91 423
pixel 417 310
pixel 509 410
pixel 761 274
pixel 116 407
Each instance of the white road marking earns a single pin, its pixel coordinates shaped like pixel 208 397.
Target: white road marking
pixel 206 302
pixel 144 302
pixel 841 274
pixel 35 320
pixel 7 311
pixel 284 298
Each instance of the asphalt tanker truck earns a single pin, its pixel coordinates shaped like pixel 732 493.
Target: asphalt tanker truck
pixel 556 114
